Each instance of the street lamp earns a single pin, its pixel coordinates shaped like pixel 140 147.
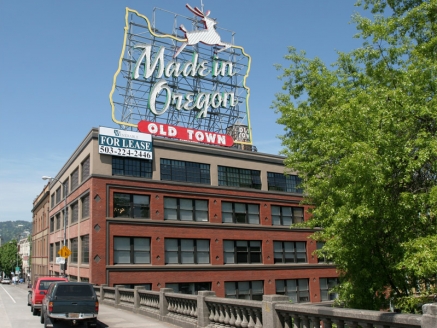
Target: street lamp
pixel 65 211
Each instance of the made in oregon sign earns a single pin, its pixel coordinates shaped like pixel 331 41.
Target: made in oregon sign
pixel 189 77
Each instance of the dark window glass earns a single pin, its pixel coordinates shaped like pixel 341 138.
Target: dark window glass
pixel 240 213
pixel 172 170
pixel 247 290
pixel 73 249
pixel 132 167
pixel 57 248
pixel 65 188
pixel 326 285
pixel 189 287
pixel 74 212
pixel 321 258
pixel 242 251
pixel 129 250
pixel 58 195
pixel 131 206
pixel 185 209
pixel 186 251
pixel 290 252
pixel 51 254
pixel 85 249
pixel 281 182
pixel 75 179
pixel 52 200
pixel 85 169
pixel 58 221
pixel 297 290
pixel 286 215
pixel 52 224
pixel 85 206
pixel 236 177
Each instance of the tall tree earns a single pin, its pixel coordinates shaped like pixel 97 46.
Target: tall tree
pixel 363 135
pixel 9 257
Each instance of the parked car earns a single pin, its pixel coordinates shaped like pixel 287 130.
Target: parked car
pixel 6 281
pixel 74 302
pixel 38 291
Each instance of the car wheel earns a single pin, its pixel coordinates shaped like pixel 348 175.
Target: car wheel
pixel 34 311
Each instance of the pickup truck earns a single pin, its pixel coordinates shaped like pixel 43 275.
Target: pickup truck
pixel 73 302
pixel 38 291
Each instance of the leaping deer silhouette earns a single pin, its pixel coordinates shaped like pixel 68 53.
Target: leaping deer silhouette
pixel 207 36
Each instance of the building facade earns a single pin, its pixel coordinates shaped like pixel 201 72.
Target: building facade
pixel 24 253
pixel 40 229
pixel 194 217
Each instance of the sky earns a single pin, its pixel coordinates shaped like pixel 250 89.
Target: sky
pixel 58 60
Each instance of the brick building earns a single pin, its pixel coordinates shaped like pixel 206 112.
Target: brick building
pixel 195 217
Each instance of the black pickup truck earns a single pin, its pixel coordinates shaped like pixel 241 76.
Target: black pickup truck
pixel 75 302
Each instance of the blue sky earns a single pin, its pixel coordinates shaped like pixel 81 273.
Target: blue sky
pixel 58 59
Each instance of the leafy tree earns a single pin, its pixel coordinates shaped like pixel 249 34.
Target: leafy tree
pixel 363 135
pixel 8 257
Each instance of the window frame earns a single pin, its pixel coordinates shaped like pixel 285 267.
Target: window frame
pixel 284 182
pixel 282 216
pixel 132 167
pixel 132 251
pixel 238 177
pixel 74 248
pixel 236 215
pixel 239 253
pixel 185 171
pixel 237 289
pixel 85 249
pixel 130 205
pixel 283 252
pixel 179 208
pixel 299 293
pixel 180 251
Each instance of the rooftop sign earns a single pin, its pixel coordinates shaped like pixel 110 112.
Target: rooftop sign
pixel 188 78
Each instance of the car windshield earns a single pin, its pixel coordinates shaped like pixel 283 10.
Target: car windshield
pixel 68 291
pixel 44 285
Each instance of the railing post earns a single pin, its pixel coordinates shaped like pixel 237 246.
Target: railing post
pixel 102 292
pixel 202 308
pixel 163 304
pixel 270 317
pixel 429 317
pixel 137 296
pixel 117 295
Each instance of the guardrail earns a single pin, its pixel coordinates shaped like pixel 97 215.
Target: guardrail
pixel 274 311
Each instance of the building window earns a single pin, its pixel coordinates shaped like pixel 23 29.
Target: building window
pixel 57 248
pixel 132 286
pixel 131 167
pixel 85 206
pixel 321 258
pixel 85 249
pixel 236 177
pixel 326 285
pixel 131 206
pixel 173 170
pixel 75 179
pixel 72 278
pixel 51 254
pixel 189 287
pixel 281 182
pixel 242 251
pixel 129 250
pixel 65 188
pixel 74 212
pixel 58 221
pixel 290 252
pixel 73 248
pixel 297 290
pixel 186 251
pixel 185 209
pixel 286 215
pixel 52 224
pixel 52 200
pixel 83 279
pixel 85 168
pixel 240 213
pixel 58 195
pixel 247 290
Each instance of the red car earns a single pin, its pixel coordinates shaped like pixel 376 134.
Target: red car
pixel 39 290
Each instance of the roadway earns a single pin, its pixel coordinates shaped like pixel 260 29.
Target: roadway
pixel 14 313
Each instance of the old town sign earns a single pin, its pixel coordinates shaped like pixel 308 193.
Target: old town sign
pixel 186 84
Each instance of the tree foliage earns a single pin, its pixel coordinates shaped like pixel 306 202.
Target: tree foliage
pixel 363 135
pixel 9 258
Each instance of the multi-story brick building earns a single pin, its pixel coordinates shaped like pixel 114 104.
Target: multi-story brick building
pixel 194 217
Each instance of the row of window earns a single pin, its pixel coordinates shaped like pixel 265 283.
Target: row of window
pixel 297 290
pixel 136 250
pixel 72 182
pixel 79 247
pixel 183 171
pixel 79 210
pixel 185 209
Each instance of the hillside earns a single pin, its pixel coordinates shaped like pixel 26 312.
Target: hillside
pixel 10 230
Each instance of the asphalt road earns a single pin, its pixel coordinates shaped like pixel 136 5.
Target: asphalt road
pixel 14 313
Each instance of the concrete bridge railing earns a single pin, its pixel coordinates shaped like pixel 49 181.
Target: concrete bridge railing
pixel 274 311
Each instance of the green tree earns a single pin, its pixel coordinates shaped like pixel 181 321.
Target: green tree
pixel 363 135
pixel 8 257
